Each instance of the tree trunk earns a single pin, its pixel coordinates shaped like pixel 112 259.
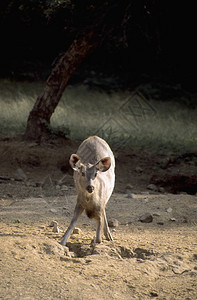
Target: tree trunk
pixel 38 124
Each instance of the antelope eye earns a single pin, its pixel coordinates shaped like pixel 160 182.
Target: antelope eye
pixel 83 173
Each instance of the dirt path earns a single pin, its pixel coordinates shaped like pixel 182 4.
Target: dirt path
pixel 146 260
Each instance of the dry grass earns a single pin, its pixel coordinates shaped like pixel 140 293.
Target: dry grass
pixel 121 118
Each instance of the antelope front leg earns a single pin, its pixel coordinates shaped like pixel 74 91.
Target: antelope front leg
pixel 99 228
pixel 78 211
pixel 107 232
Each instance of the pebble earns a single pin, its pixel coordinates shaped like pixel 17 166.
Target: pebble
pixel 173 219
pixel 20 174
pixel 169 210
pixel 145 200
pixel 138 170
pixel 156 214
pixel 128 189
pixel 113 223
pixel 152 187
pixel 161 189
pixel 131 195
pixel 56 229
pixel 64 188
pixel 129 186
pixel 146 218
pixel 153 294
pixel 77 230
pixel 53 210
pixel 52 223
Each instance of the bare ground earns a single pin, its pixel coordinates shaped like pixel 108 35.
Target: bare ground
pixel 145 260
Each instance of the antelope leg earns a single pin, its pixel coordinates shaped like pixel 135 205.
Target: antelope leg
pixel 78 211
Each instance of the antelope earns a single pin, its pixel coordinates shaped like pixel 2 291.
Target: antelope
pixel 94 179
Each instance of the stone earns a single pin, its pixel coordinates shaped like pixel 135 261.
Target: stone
pixel 160 223
pixel 156 214
pixel 20 175
pixel 129 186
pixel 152 187
pixel 173 219
pixel 77 230
pixel 113 223
pixel 138 170
pixel 55 226
pixel 64 188
pixel 146 218
pixel 145 200
pixel 131 195
pixel 53 210
pixel 153 294
pixel 161 189
pixel 52 223
pixel 169 210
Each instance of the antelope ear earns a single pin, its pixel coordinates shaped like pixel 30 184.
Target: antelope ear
pixel 104 164
pixel 75 162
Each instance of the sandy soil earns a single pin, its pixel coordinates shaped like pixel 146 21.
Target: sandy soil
pixel 145 260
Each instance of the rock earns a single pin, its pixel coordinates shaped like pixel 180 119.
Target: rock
pixel 77 230
pixel 161 189
pixel 146 218
pixel 113 223
pixel 153 294
pixel 145 200
pixel 173 219
pixel 17 221
pixel 152 187
pixel 53 210
pixel 52 223
pixel 64 188
pixel 138 170
pixel 160 223
pixel 131 195
pixel 56 228
pixel 129 187
pixel 156 214
pixel 20 175
pixel 169 210
pixel 128 190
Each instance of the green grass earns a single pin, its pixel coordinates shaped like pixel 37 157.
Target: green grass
pixel 123 119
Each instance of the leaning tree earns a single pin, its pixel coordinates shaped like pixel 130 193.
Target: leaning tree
pixel 100 23
pixel 92 22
